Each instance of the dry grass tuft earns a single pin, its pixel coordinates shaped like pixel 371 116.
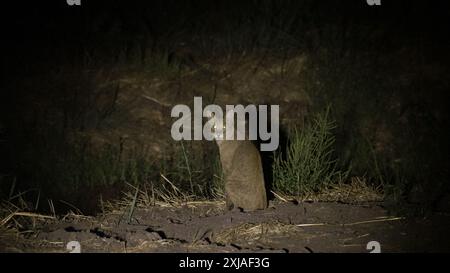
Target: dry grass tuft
pixel 251 233
pixel 357 191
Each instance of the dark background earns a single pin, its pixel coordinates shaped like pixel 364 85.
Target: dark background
pixel 385 46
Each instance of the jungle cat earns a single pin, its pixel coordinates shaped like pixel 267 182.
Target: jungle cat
pixel 242 169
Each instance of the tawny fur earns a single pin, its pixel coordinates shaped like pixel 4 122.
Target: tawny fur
pixel 242 169
pixel 244 178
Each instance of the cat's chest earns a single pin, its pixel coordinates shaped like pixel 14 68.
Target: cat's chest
pixel 228 156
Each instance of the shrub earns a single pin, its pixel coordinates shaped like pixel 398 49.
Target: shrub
pixel 308 164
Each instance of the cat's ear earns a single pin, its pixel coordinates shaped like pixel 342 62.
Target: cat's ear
pixel 208 113
pixel 212 112
pixel 230 114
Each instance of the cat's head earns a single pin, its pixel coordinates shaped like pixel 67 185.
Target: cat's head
pixel 218 125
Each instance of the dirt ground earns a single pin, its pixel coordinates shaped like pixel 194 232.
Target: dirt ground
pixel 206 227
